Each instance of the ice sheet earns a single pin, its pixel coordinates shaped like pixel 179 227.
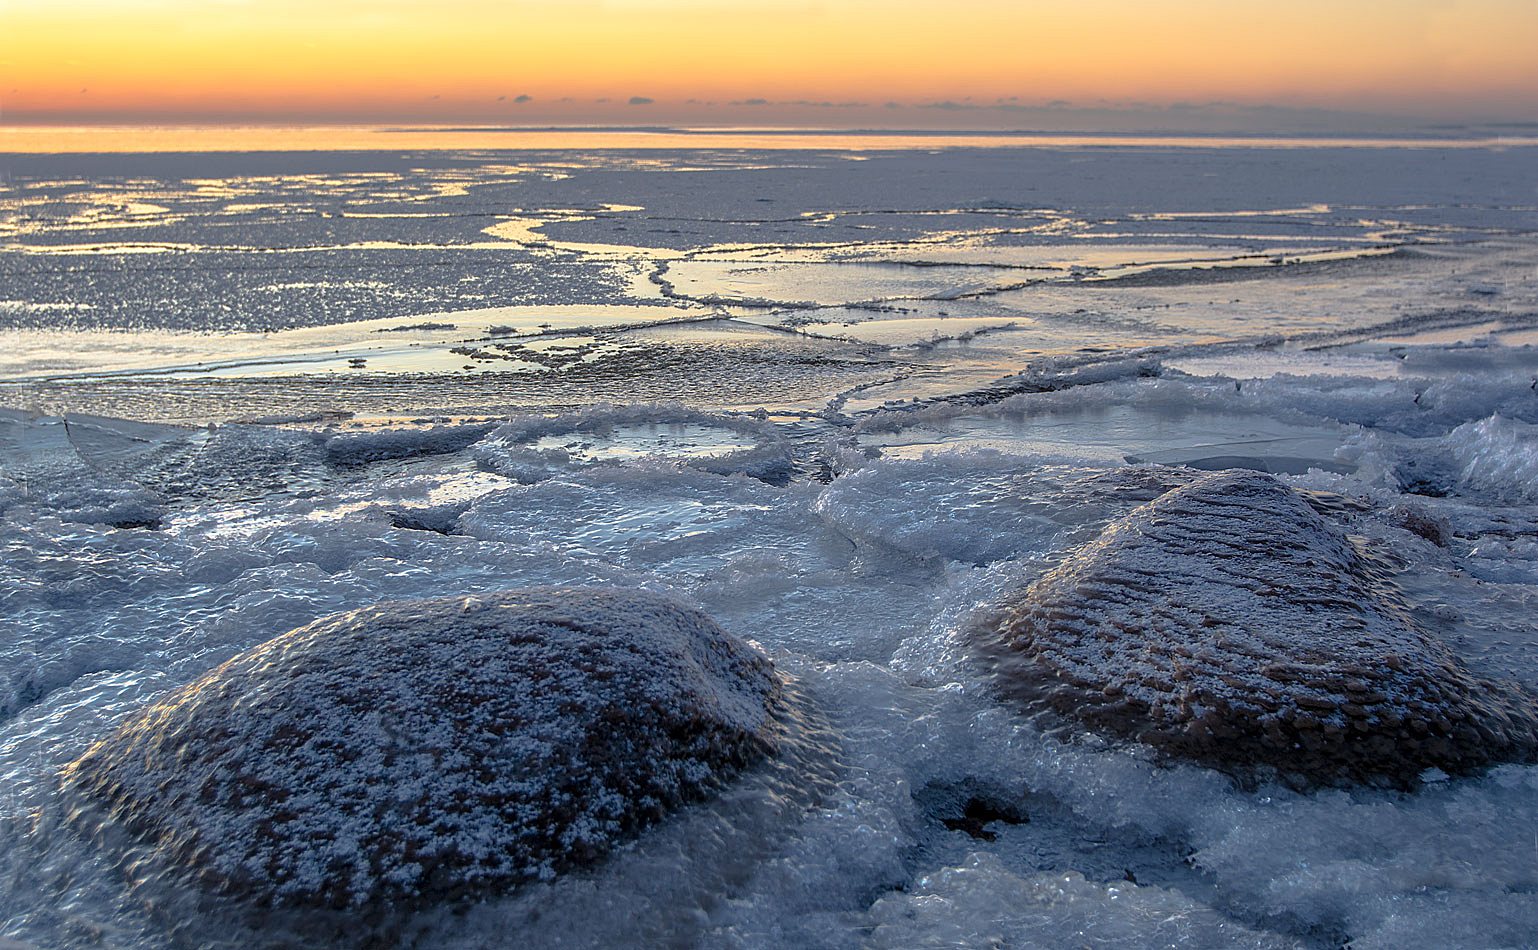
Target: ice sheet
pixel 849 504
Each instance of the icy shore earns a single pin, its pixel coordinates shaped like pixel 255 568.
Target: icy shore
pixel 864 589
pixel 867 412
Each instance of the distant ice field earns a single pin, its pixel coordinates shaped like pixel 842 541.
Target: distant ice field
pixel 842 400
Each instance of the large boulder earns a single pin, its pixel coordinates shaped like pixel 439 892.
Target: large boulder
pixel 1228 623
pixel 426 750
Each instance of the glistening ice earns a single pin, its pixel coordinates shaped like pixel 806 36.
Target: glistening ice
pixel 844 407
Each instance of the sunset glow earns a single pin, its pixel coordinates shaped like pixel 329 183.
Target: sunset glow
pixel 838 62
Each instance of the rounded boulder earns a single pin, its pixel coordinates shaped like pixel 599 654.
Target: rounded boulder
pixel 427 750
pixel 1226 622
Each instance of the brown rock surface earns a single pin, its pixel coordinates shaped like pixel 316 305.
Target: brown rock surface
pixel 425 750
pixel 1226 622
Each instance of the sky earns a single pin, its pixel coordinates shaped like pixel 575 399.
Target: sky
pixel 975 64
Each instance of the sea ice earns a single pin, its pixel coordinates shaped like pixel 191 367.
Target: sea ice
pixel 552 409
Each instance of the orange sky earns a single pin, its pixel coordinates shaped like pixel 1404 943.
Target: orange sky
pixel 987 63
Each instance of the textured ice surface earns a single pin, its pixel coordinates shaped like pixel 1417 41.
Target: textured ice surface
pixel 296 261
pixel 422 750
pixel 981 903
pixel 1364 316
pixel 860 588
pixel 1228 623
pixel 1497 458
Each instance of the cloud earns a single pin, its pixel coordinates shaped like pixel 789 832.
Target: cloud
pixel 641 101
pixel 800 103
pixel 525 97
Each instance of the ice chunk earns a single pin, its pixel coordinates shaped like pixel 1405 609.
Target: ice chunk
pixel 1497 458
pixel 972 507
pixel 374 445
pixel 982 904
pixel 65 466
pixel 531 447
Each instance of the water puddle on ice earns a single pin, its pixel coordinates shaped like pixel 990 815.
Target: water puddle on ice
pixel 1252 364
pixel 918 331
pixel 1207 440
pixel 1267 258
pixel 775 283
pixel 429 343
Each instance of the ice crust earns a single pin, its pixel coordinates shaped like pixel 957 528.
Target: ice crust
pixel 1226 622
pixel 980 903
pixel 135 558
pixel 865 609
pixel 424 750
pixel 511 450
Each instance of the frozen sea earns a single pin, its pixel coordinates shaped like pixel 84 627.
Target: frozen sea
pixel 839 392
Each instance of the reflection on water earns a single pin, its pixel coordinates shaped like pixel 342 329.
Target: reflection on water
pixel 1207 440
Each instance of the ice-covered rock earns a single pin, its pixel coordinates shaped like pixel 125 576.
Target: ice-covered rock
pixel 1227 622
pixel 1421 523
pixel 422 750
